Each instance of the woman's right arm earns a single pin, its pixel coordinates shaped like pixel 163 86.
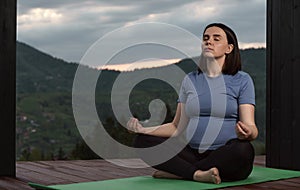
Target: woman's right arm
pixel 173 128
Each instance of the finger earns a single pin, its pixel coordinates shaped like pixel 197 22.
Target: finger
pixel 129 129
pixel 240 130
pixel 244 127
pixel 135 125
pixel 133 121
pixel 130 125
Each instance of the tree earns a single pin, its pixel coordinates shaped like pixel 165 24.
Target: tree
pixel 83 152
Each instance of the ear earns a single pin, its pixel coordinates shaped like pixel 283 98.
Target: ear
pixel 229 48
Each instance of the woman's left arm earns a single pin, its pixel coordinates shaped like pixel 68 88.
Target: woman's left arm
pixel 246 128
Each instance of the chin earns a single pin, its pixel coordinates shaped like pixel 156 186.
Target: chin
pixel 208 54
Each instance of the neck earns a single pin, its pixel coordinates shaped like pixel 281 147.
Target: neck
pixel 214 66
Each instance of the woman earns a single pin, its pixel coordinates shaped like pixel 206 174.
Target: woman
pixel 230 155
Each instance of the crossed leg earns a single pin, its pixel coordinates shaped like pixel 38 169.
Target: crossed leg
pixel 232 162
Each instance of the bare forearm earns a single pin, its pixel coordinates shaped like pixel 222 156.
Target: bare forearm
pixel 165 130
pixel 246 128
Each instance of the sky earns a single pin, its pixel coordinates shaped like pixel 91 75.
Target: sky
pixel 68 28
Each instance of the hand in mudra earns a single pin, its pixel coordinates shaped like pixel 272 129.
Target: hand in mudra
pixel 243 131
pixel 134 126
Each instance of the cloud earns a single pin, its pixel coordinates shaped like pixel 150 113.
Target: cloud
pixel 38 17
pixel 66 29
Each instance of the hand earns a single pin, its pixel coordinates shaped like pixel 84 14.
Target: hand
pixel 134 126
pixel 243 131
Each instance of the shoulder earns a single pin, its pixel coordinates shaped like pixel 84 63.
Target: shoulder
pixel 242 75
pixel 190 79
pixel 239 77
pixel 192 76
pixel 244 80
pixel 239 80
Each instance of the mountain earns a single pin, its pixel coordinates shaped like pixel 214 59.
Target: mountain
pixel 45 122
pixel 40 72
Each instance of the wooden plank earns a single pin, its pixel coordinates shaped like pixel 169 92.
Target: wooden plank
pixel 294 180
pixel 255 186
pixel 296 94
pixel 91 174
pixel 37 177
pixel 272 131
pixel 260 160
pixel 270 185
pixel 283 115
pixel 288 184
pixel 83 170
pixel 8 86
pixel 64 172
pixel 284 88
pixel 7 183
pixel 106 166
pixel 52 172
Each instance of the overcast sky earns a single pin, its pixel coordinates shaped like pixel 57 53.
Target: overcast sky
pixel 67 28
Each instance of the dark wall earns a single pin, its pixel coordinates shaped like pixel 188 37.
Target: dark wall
pixel 283 84
pixel 7 83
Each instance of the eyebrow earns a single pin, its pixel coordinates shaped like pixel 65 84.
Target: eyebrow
pixel 214 35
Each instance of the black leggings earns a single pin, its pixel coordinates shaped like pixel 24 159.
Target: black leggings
pixel 234 160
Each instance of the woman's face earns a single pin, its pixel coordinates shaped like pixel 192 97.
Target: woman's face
pixel 215 44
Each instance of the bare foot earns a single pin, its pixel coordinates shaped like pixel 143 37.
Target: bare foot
pixel 211 175
pixel 163 174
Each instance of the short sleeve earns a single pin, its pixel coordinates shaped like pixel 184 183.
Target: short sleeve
pixel 247 91
pixel 183 93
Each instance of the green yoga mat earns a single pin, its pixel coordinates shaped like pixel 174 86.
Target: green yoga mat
pixel 258 175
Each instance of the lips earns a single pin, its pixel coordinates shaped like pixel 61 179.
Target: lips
pixel 208 49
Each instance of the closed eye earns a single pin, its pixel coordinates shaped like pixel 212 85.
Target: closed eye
pixel 216 37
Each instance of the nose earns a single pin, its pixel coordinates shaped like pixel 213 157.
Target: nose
pixel 208 42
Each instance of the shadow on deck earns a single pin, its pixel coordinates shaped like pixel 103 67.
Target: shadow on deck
pixel 65 172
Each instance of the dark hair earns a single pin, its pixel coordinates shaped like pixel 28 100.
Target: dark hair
pixel 232 60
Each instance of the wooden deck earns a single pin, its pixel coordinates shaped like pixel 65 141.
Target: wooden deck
pixel 65 172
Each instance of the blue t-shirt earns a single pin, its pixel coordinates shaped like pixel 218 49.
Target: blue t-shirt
pixel 212 103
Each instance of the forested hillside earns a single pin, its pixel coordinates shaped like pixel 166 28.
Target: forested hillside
pixel 45 125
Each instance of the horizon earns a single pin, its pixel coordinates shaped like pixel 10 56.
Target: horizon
pixel 136 65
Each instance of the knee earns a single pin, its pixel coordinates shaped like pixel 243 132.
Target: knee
pixel 240 174
pixel 241 161
pixel 244 150
pixel 243 157
pixel 248 147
